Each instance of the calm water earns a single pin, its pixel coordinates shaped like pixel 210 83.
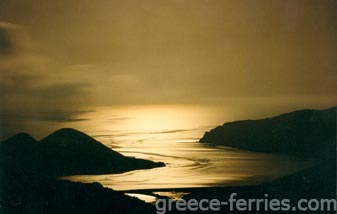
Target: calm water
pixel 170 134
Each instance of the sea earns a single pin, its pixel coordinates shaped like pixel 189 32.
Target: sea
pixel 170 134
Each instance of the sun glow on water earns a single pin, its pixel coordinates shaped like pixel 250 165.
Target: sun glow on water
pixel 170 134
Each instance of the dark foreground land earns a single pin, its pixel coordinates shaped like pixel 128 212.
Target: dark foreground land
pixel 29 171
pixel 318 182
pixel 39 195
pixel 29 168
pixel 43 195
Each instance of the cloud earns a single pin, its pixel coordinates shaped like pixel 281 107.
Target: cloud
pixel 5 43
pixel 27 88
pixel 65 55
pixel 15 49
pixel 12 39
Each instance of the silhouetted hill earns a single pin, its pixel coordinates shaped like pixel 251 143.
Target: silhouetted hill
pixel 305 133
pixel 64 152
pixel 28 169
pixel 16 145
pixel 68 151
pixel 18 153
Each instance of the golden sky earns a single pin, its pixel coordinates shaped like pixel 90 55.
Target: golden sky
pixel 109 52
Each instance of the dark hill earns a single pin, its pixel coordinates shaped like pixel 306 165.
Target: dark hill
pixel 19 138
pixel 18 154
pixel 28 169
pixel 309 133
pixel 17 145
pixel 64 152
pixel 68 151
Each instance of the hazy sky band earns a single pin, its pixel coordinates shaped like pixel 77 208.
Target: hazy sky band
pixel 69 53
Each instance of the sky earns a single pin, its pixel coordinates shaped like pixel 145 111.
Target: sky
pixel 66 54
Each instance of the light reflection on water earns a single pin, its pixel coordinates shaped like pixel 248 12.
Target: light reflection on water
pixel 169 134
pixel 147 198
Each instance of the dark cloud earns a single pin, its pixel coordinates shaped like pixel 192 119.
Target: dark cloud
pixel 29 93
pixel 5 43
pixel 13 39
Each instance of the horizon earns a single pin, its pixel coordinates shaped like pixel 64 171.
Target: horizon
pixel 161 119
